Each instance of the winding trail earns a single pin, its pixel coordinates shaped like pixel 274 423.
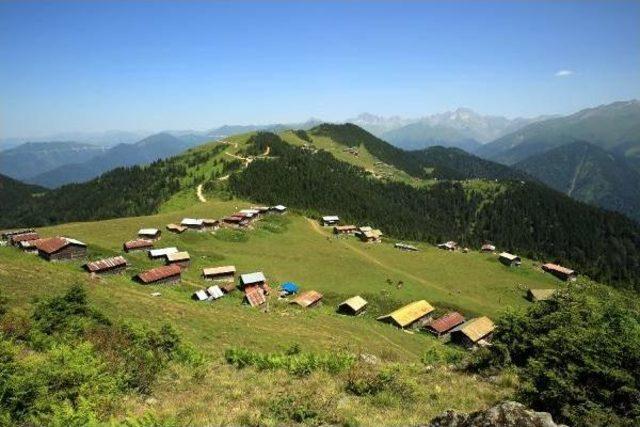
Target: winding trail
pixel 200 195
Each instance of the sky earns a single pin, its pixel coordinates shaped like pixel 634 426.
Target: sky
pixel 92 66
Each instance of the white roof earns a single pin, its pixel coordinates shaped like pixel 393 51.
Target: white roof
pixel 191 221
pixel 77 242
pixel 148 231
pixel 250 211
pixel 162 252
pixel 330 218
pixel 201 295
pixel 508 256
pixel 279 207
pixel 215 292
pixel 178 256
pixel 257 277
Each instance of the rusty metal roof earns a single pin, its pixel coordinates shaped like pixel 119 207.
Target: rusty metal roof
pixel 159 273
pixel 138 244
pixel 23 237
pixel 255 296
pixel 308 298
pixel 54 244
pixel 558 268
pixel 106 264
pixel 214 271
pixel 446 322
pixel 408 314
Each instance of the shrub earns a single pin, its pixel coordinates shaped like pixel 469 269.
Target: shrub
pixel 363 380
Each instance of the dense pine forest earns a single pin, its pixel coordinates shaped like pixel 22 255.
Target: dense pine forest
pixel 523 217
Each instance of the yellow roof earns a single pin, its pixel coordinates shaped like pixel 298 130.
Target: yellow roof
pixel 409 313
pixel 541 294
pixel 478 328
pixel 356 303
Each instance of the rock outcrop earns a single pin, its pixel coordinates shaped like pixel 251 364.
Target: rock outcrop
pixel 504 414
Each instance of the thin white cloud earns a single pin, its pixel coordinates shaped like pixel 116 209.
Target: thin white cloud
pixel 564 73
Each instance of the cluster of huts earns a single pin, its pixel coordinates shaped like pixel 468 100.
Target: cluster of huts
pixel 365 233
pixel 450 326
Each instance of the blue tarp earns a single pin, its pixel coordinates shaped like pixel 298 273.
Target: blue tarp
pixel 290 287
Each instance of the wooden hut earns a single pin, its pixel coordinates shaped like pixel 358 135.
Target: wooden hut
pixel 6 234
pixel 253 279
pixel 353 306
pixel 162 252
pixel 487 248
pixel 61 249
pixel 113 265
pixel 193 224
pixel 279 209
pixel 560 272
pixel 414 314
pixel 210 224
pixel 476 331
pixel 442 326
pixel 175 228
pixel 179 258
pixel 509 260
pixel 369 235
pixel 15 239
pixel 329 220
pixel 158 275
pixel 448 246
pixel 255 296
pixel 223 274
pixel 137 245
pixel 405 247
pixel 308 299
pixel 149 233
pixel 344 229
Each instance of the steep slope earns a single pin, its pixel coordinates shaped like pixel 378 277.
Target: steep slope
pixel 154 147
pixel 589 174
pixel 611 127
pixel 30 159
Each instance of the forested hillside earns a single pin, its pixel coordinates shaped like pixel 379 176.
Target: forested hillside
pixel 526 218
pixel 589 174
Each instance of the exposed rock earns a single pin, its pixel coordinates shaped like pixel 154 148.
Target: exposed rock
pixel 505 414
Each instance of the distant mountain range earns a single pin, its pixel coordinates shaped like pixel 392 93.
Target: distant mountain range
pixel 462 128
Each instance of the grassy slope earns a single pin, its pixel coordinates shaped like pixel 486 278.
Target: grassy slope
pixel 309 255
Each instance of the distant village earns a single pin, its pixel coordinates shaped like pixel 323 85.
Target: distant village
pixel 224 279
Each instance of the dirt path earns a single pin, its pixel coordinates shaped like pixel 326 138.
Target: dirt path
pixel 200 195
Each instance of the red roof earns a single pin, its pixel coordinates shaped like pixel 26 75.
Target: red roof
pixel 24 237
pixel 255 296
pixel 106 264
pixel 54 244
pixel 159 273
pixel 446 322
pixel 138 244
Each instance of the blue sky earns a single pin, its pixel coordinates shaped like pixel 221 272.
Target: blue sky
pixel 167 65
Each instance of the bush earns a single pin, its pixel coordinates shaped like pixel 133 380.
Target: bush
pixel 363 380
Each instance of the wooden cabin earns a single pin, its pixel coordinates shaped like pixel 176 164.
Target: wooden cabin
pixel 535 295
pixel 179 258
pixel 370 236
pixel 162 252
pixel 158 275
pixel 253 279
pixel 149 233
pixel 344 229
pixel 255 296
pixel 193 224
pixel 405 247
pixel 6 234
pixel 61 249
pixel 308 299
pixel 354 306
pixel 415 314
pixel 509 260
pixel 235 220
pixel 448 246
pixel 210 224
pixel 113 265
pixel 279 209
pixel 487 248
pixel 137 245
pixel 175 228
pixel 329 220
pixel 15 239
pixel 442 326
pixel 474 332
pixel 223 274
pixel 560 272
pixel 28 246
